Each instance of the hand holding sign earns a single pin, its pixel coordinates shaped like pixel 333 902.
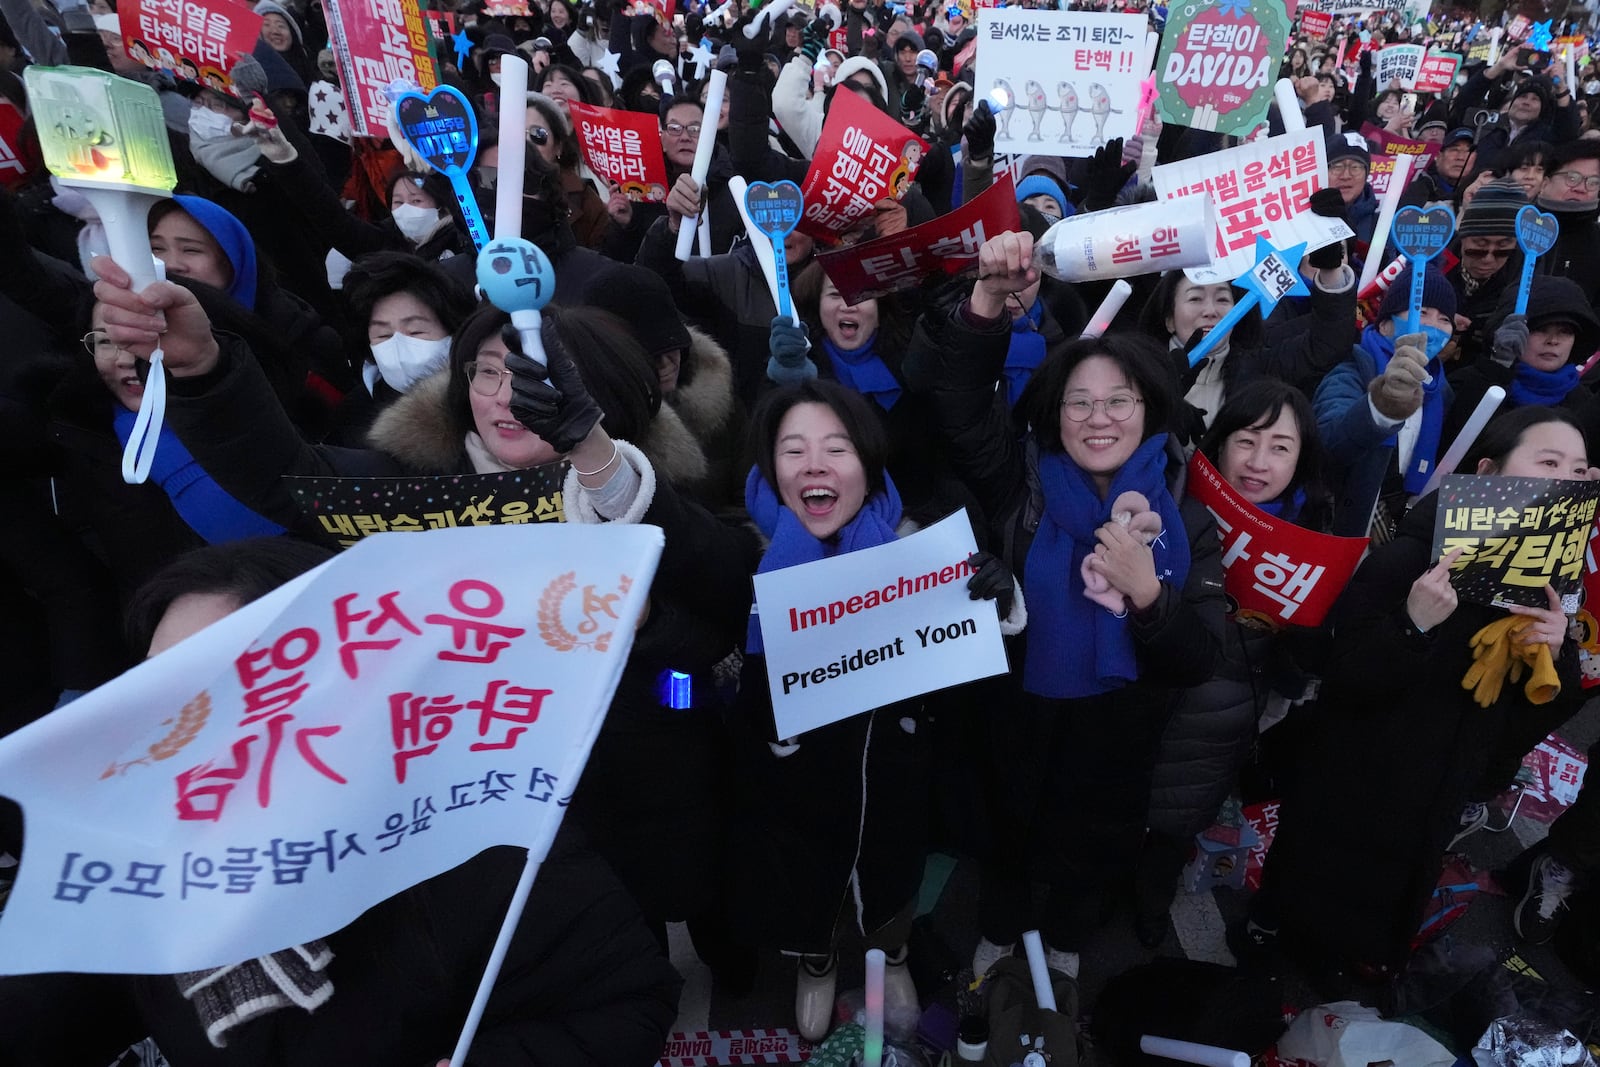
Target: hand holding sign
pixel 1536 234
pixel 1432 599
pixel 1275 276
pixel 442 129
pixel 775 210
pixel 1421 235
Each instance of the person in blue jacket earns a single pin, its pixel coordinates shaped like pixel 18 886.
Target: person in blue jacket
pixel 1381 412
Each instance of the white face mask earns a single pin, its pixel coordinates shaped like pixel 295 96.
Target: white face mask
pixel 417 223
pixel 208 125
pixel 403 361
pixel 495 77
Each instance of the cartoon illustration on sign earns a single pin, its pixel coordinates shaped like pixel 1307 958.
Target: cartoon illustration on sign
pixel 1069 111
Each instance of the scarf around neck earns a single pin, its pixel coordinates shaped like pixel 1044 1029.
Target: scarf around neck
pixel 1545 388
pixel 1076 648
pixel 1426 450
pixel 200 502
pixel 863 370
pixel 1026 351
pixel 791 544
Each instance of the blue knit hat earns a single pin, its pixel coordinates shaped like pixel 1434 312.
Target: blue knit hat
pixel 1436 293
pixel 1040 184
pixel 234 240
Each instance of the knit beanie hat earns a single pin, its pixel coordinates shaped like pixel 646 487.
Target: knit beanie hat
pixel 856 64
pixel 1493 211
pixel 1042 185
pixel 248 77
pixel 268 7
pixel 1437 293
pixel 910 39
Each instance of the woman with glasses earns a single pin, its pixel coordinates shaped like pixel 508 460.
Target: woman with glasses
pixel 1058 480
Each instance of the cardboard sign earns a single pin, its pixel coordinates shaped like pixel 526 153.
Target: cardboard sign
pixel 1316 23
pixel 371 724
pixel 1276 574
pixel 623 148
pixel 1438 72
pixel 349 509
pixel 195 40
pixel 1518 535
pixel 1397 63
pixel 1121 242
pixel 376 42
pixel 862 157
pixel 1385 147
pixel 1217 65
pixel 864 629
pixel 1066 81
pixel 946 245
pixel 1262 189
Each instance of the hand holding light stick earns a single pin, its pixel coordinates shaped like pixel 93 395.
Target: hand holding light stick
pixel 1386 210
pixel 715 88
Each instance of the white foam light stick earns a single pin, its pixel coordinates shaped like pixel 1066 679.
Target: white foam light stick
pixel 1040 970
pixel 766 17
pixel 513 146
pixel 872 1045
pixel 1100 321
pixel 1464 440
pixel 1386 210
pixel 763 245
pixel 1294 120
pixel 704 231
pixel 715 88
pixel 1189 1052
pixel 1572 74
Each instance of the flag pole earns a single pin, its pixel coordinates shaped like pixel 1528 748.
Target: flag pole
pixel 497 958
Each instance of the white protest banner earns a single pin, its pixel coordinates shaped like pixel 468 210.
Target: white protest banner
pixel 1133 239
pixel 1397 63
pixel 374 723
pixel 861 630
pixel 1066 82
pixel 1261 189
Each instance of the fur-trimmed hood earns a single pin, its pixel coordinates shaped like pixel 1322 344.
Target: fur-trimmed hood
pixel 418 431
pixel 705 404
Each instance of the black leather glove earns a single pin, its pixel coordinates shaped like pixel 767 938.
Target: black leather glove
pixel 814 38
pixel 979 131
pixel 1189 422
pixel 560 411
pixel 884 17
pixel 1106 175
pixel 911 102
pixel 991 580
pixel 1329 203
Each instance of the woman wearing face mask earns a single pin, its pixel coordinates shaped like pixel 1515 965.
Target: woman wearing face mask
pixel 1401 741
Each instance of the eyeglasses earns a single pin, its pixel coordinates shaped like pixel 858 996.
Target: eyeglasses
pixel 1347 166
pixel 99 344
pixel 1117 408
pixel 678 129
pixel 1575 180
pixel 1486 253
pixel 486 378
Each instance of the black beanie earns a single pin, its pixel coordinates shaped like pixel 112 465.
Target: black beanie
pixel 1553 299
pixel 1493 211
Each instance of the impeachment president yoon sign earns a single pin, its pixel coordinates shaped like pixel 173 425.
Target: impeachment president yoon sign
pixel 868 628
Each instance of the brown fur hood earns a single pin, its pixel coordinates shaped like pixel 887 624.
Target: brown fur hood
pixel 706 403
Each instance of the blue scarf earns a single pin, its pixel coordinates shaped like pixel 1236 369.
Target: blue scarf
pixel 862 370
pixel 1426 450
pixel 1287 508
pixel 1546 388
pixel 1076 648
pixel 1026 352
pixel 792 544
pixel 199 500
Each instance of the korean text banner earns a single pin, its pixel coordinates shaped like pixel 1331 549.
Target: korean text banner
pixel 367 726
pixel 348 509
pixel 1587 620
pixel 1437 72
pixel 1276 573
pixel 862 157
pixel 623 148
pixel 858 631
pixel 1066 81
pixel 1316 23
pixel 1397 63
pixel 195 40
pixel 1262 189
pixel 1385 147
pixel 1217 64
pixel 374 43
pixel 1518 535
pixel 946 245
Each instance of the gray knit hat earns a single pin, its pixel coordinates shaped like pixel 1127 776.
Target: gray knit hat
pixel 1493 211
pixel 248 78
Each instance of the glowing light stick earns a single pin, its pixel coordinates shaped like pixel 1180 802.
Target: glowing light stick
pixel 872 1047
pixel 1275 276
pixel 441 128
pixel 1469 433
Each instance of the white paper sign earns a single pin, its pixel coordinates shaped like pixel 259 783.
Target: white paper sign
pixel 861 630
pixel 379 721
pixel 1066 82
pixel 1398 62
pixel 1262 189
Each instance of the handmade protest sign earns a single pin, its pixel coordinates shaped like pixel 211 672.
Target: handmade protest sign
pixel 1421 235
pixel 349 509
pixel 443 130
pixel 1315 23
pixel 1438 72
pixel 947 245
pixel 623 148
pixel 195 40
pixel 1536 234
pixel 376 42
pixel 1217 64
pixel 1517 535
pixel 372 724
pixel 1120 242
pixel 1397 63
pixel 1262 189
pixel 1275 573
pixel 1066 82
pixel 1517 29
pixel 867 628
pixel 862 157
pixel 1385 147
pixel 1551 776
pixel 775 210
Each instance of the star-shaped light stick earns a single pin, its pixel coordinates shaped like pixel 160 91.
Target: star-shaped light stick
pixel 1275 276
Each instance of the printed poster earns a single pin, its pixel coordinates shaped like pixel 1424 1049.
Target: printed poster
pixel 376 42
pixel 946 245
pixel 623 149
pixel 1385 147
pixel 864 629
pixel 862 157
pixel 1549 781
pixel 1276 574
pixel 1316 23
pixel 1438 72
pixel 1218 63
pixel 345 510
pixel 1066 81
pixel 1397 63
pixel 195 40
pixel 371 724
pixel 1518 535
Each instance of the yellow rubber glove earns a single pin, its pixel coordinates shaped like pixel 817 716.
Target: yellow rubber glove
pixel 1492 652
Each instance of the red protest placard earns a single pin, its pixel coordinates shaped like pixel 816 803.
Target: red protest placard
pixel 376 42
pixel 196 40
pixel 1276 573
pixel 1438 70
pixel 1517 28
pixel 946 245
pixel 1316 23
pixel 623 148
pixel 862 157
pixel 19 148
pixel 1385 147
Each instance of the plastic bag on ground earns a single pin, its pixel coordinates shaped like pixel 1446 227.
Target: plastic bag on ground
pixel 1347 1034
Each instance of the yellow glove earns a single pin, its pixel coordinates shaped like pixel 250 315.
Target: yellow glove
pixel 1544 685
pixel 1492 652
